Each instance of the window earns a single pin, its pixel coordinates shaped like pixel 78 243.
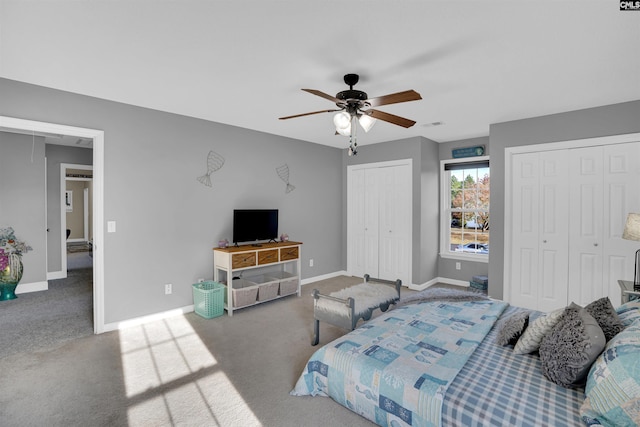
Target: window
pixel 465 209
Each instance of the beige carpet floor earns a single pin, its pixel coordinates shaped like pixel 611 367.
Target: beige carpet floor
pixel 181 371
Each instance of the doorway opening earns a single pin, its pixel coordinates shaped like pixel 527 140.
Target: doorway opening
pixel 97 136
pixel 76 217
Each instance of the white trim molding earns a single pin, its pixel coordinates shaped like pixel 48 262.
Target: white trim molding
pixel 98 199
pixel 24 288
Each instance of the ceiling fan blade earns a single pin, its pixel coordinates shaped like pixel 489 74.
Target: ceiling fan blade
pixel 322 95
pixel 391 118
pixel 308 114
pixel 394 98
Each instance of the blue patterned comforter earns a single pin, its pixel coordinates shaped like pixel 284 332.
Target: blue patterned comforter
pixel 395 370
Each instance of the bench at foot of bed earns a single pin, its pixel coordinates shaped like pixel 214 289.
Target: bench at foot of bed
pixel 345 307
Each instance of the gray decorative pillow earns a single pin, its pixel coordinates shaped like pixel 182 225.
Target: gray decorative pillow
pixel 537 329
pixel 571 347
pixel 602 310
pixel 510 327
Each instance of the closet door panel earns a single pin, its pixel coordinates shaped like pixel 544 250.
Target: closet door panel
pixel 540 237
pixel 395 223
pixel 553 236
pixel 586 224
pixel 525 220
pixel 371 221
pixel 621 196
pixel 356 222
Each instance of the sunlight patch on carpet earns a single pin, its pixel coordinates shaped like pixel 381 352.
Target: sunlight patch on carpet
pixel 171 378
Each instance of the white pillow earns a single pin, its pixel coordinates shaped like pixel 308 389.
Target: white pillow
pixel 531 338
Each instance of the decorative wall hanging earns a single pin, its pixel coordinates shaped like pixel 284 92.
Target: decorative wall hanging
pixel 214 163
pixel 68 200
pixel 283 173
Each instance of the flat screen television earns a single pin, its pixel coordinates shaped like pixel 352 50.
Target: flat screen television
pixel 252 225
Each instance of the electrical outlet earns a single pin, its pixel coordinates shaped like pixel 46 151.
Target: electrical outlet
pixel 311 262
pixel 458 265
pixel 200 280
pixel 167 289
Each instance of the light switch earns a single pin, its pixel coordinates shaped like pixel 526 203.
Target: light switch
pixel 111 226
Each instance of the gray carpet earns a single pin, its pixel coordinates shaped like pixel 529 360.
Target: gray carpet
pixel 181 371
pixel 40 320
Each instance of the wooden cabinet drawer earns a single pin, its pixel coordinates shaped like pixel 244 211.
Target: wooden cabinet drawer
pixel 288 253
pixel 247 259
pixel 267 257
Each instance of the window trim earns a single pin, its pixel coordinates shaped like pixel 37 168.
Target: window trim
pixel 445 192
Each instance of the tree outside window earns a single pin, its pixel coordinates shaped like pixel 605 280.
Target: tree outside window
pixel 467 209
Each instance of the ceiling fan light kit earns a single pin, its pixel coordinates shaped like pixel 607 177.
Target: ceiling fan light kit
pixel 354 105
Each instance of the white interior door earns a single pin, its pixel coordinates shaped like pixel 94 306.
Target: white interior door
pixel 620 185
pixel 586 224
pixel 379 220
pixel 371 221
pixel 539 234
pixel 356 222
pixel 554 236
pixel 525 222
pixel 395 223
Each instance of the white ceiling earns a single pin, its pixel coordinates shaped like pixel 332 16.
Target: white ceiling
pixel 244 62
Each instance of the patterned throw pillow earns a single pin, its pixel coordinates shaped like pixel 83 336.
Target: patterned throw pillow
pixel 613 384
pixel 629 312
pixel 569 350
pixel 510 327
pixel 602 310
pixel 532 336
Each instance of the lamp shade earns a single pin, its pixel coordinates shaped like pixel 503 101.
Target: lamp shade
pixel 366 122
pixel 342 121
pixel 632 227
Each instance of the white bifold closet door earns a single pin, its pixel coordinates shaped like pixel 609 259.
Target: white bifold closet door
pixel 540 235
pixel 568 213
pixel 604 189
pixel 379 221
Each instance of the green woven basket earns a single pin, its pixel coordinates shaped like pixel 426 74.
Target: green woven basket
pixel 208 299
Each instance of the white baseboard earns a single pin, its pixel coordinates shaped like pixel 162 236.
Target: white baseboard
pixel 189 308
pixel 323 277
pixel 146 319
pixel 24 288
pixel 55 275
pixel 439 280
pixel 456 282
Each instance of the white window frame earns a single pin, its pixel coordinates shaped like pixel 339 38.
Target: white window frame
pixel 445 203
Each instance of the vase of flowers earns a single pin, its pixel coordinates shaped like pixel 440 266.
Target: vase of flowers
pixel 11 268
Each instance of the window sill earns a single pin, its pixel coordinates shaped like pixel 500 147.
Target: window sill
pixel 465 257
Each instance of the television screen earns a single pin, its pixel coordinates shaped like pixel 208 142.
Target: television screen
pixel 250 225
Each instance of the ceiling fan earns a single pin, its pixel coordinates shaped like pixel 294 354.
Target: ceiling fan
pixel 354 105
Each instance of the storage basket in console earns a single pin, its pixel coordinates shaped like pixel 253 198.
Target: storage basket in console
pixel 244 293
pixel 288 282
pixel 267 286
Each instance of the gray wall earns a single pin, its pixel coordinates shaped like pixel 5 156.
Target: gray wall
pixel 447 266
pixel 167 222
pixel 424 155
pixel 57 154
pixel 607 120
pixel 22 198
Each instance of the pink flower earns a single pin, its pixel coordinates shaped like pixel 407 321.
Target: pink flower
pixel 4 260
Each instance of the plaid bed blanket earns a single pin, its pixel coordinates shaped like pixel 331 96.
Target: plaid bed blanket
pixel 499 388
pixel 395 370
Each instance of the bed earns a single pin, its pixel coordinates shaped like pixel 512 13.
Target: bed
pixel 444 361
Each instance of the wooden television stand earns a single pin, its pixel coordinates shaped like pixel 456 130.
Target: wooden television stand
pixel 276 262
